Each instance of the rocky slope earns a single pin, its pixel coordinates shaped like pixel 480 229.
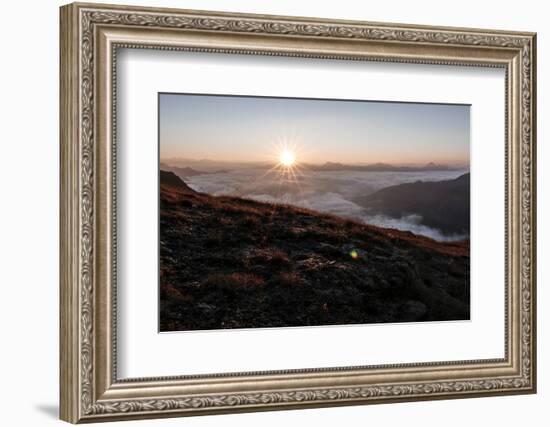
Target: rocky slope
pixel 227 262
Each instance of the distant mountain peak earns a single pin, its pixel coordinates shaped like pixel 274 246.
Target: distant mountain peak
pixel 377 167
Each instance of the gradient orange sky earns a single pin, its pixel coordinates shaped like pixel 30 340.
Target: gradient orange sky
pixel 235 128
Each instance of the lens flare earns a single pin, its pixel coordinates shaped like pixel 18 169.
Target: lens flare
pixel 287 171
pixel 287 158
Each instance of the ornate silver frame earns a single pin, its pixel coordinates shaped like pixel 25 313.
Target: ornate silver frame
pixel 90 36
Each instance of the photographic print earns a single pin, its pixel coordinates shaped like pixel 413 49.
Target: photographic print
pixel 285 212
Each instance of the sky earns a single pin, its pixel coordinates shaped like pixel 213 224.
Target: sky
pixel 237 128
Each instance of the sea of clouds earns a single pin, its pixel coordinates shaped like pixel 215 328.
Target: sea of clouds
pixel 330 192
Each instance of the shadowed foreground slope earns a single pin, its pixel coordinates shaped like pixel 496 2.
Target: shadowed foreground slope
pixel 227 262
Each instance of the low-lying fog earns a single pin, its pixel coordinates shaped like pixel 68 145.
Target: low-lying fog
pixel 330 192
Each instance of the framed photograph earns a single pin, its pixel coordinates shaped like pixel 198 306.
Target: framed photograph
pixel 266 212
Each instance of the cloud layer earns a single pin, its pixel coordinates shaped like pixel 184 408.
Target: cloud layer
pixel 329 192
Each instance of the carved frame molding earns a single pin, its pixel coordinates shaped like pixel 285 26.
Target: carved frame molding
pixel 89 387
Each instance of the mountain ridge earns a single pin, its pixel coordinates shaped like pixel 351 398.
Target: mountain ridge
pixel 444 205
pixel 214 166
pixel 186 172
pixel 377 167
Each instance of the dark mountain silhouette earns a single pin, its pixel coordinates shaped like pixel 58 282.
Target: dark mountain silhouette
pixel 186 172
pixel 227 262
pixel 444 205
pixel 376 167
pixel 212 166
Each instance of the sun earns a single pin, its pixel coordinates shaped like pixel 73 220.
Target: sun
pixel 287 158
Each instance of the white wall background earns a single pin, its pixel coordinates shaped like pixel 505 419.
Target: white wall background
pixel 29 170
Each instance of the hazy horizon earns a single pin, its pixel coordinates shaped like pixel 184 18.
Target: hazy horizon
pixel 170 160
pixel 238 129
